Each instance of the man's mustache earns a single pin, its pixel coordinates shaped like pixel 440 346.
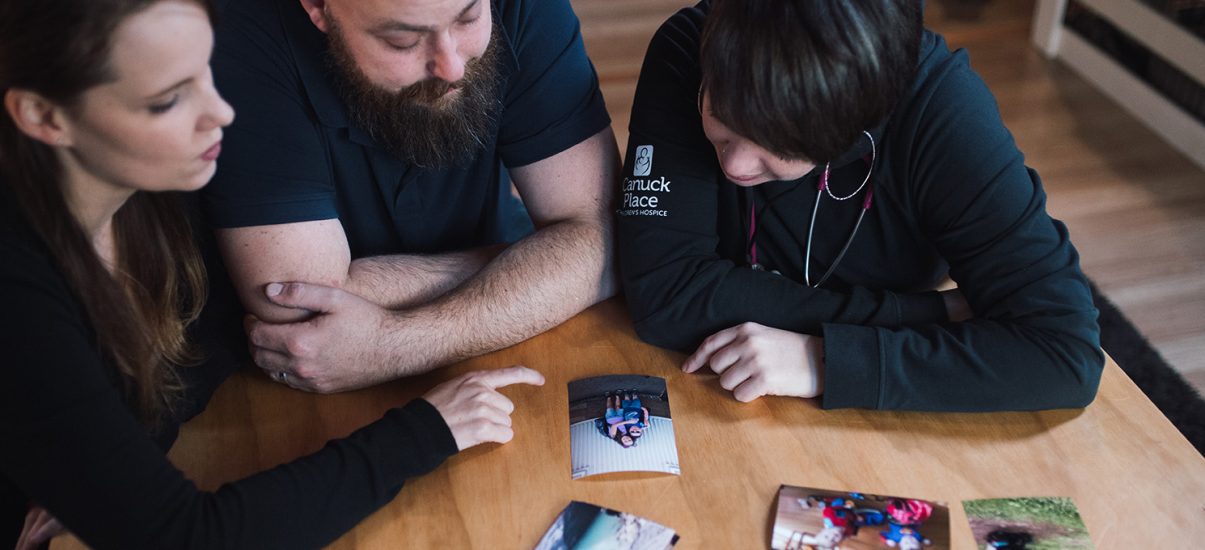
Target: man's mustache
pixel 430 90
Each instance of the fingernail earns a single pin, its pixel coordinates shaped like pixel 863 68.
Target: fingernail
pixel 274 289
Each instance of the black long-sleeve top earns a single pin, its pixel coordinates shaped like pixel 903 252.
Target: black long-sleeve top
pixel 951 194
pixel 72 445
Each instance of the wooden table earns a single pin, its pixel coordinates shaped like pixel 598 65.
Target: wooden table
pixel 1138 483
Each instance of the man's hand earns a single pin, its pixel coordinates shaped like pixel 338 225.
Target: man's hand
pixel 39 527
pixel 342 346
pixel 473 408
pixel 755 360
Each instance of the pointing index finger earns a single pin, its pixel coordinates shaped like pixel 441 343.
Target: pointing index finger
pixel 517 374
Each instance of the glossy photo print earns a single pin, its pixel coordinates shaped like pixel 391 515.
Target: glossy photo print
pixel 1038 523
pixel 621 423
pixel 584 526
pixel 820 519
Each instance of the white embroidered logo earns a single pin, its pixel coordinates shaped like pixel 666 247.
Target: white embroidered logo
pixel 644 161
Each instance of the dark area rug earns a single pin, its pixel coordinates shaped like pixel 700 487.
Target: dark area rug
pixel 1178 401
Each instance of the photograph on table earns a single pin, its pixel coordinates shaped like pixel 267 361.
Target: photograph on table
pixel 820 519
pixel 621 423
pixel 584 526
pixel 1037 523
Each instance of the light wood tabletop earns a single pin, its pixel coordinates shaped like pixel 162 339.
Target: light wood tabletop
pixel 1136 480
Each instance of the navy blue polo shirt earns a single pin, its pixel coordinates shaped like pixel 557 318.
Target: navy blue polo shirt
pixel 292 154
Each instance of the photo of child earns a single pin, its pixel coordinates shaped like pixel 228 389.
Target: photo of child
pixel 819 519
pixel 621 423
pixel 1040 523
pixel 584 526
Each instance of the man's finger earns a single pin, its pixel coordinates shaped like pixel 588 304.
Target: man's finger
pixel 291 380
pixel 307 296
pixel 268 336
pixel 499 378
pixel 271 360
pixel 286 338
pixel 709 347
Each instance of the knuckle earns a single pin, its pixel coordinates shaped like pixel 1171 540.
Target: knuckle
pixel 296 346
pixel 482 431
pixel 292 290
pixel 304 372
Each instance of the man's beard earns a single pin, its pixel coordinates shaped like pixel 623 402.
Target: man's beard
pixel 417 124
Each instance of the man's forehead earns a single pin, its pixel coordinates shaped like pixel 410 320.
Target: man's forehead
pixel 406 15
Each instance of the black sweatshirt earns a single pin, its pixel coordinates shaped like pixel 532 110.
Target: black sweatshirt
pixel 72 445
pixel 951 195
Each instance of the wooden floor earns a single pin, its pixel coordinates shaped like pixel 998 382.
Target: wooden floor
pixel 1135 207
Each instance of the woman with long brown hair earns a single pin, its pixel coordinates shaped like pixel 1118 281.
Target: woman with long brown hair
pixel 109 106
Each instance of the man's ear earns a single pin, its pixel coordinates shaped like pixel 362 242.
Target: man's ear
pixel 317 10
pixel 37 117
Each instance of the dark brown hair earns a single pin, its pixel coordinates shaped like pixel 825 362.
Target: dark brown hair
pixel 59 49
pixel 803 78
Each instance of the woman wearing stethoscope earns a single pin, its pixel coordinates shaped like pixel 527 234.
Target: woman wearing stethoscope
pixel 792 276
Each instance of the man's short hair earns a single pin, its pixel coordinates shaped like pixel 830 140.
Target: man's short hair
pixel 804 78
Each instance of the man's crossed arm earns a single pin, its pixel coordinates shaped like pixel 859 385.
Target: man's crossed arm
pixel 334 324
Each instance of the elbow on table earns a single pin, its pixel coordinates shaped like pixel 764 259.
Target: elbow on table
pixel 1083 380
pixel 662 331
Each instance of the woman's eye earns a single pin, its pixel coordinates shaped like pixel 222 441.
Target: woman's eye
pixel 160 108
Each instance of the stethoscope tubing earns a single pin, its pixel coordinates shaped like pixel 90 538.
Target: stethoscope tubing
pixel 867 201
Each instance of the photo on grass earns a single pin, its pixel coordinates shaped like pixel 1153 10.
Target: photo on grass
pixel 1038 523
pixel 820 519
pixel 584 526
pixel 621 423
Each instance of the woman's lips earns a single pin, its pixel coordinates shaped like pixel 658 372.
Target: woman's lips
pixel 213 152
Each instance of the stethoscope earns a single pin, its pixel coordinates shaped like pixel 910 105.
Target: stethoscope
pixel 821 190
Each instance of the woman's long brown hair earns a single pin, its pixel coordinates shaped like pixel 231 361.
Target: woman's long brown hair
pixel 59 49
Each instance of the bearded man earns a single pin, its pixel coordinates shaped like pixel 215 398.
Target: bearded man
pixel 363 202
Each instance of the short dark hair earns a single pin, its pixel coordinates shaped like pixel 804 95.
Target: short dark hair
pixel 804 78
